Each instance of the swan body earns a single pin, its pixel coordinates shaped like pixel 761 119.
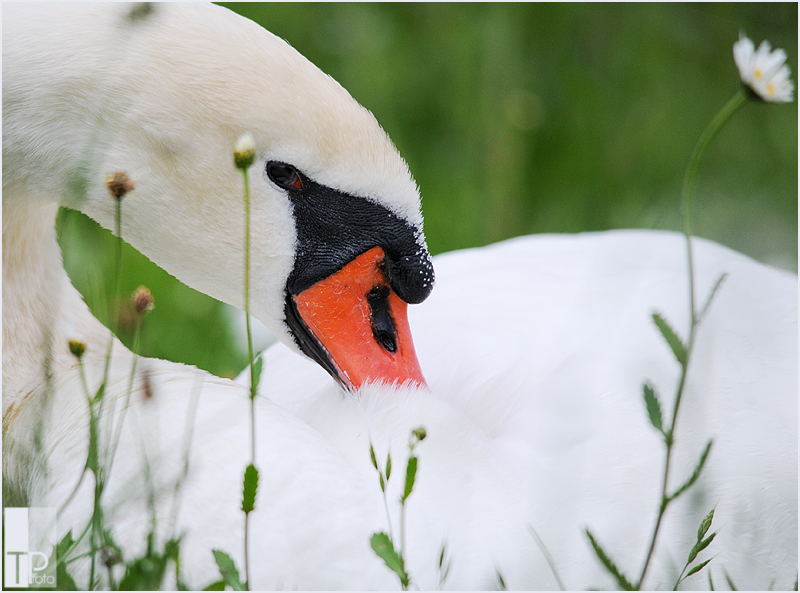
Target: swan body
pixel 534 350
pixel 540 347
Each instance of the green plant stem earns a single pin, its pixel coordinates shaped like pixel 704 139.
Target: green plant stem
pixel 250 359
pixel 402 529
pixel 117 286
pixel 94 414
pixel 97 511
pixel 687 197
pixel 690 180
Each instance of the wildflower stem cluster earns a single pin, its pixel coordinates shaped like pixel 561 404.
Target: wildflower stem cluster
pixel 244 156
pixel 765 78
pixel 148 571
pixel 681 351
pixel 385 546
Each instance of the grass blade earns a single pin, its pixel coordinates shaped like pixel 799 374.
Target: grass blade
pixel 699 547
pixel 711 296
pixel 609 564
pixel 697 568
pixel 705 525
pixel 501 583
pixel 730 581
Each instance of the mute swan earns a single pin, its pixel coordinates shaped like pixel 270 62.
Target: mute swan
pixel 534 350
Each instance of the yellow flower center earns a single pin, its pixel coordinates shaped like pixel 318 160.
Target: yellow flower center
pixel 757 74
pixel 770 89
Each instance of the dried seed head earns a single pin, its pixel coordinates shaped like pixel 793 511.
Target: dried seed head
pixel 245 152
pixel 119 184
pixel 77 348
pixel 420 433
pixel 142 300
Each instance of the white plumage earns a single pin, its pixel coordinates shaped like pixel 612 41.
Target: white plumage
pixel 535 349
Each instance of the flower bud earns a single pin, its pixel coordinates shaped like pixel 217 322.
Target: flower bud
pixel 142 300
pixel 77 348
pixel 119 184
pixel 245 152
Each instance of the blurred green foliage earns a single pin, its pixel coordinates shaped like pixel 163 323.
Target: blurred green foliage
pixel 535 118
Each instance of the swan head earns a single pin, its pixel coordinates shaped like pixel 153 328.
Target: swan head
pixel 337 249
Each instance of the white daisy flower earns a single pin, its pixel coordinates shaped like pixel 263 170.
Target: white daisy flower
pixel 764 71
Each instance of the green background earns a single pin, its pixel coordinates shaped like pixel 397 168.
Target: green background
pixel 517 119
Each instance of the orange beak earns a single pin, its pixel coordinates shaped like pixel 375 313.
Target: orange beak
pixel 361 324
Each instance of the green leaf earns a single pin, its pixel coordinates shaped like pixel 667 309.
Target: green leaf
pixel 64 546
pixel 257 366
pixel 383 547
pixel 372 456
pixel 63 578
pixel 93 457
pixel 678 347
pixel 697 568
pixel 388 465
pixel 215 586
pixel 227 569
pixel 250 488
pixel 695 474
pixel 147 572
pixel 411 474
pixel 711 296
pixel 100 392
pixel 710 582
pixel 609 564
pixel 653 407
pixel 383 482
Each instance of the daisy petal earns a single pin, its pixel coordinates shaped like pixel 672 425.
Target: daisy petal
pixel 763 70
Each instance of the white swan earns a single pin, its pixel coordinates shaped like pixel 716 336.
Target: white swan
pixel 535 349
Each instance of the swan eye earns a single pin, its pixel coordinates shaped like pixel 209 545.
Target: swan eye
pixel 284 175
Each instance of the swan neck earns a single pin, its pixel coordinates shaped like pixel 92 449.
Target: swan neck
pixel 38 300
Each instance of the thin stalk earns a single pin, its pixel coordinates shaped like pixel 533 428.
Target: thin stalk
pixel 250 357
pixel 117 286
pixel 687 197
pixel 115 436
pixel 250 361
pixel 388 517
pixel 95 414
pixel 402 529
